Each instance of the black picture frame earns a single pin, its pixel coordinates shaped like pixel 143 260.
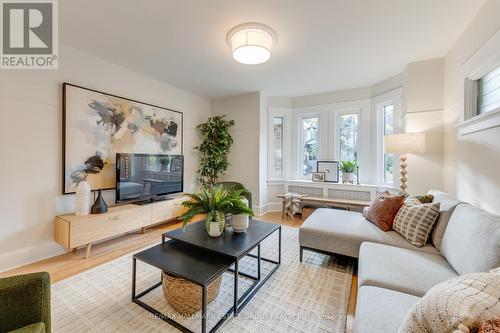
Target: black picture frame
pixel 64 126
pixel 325 166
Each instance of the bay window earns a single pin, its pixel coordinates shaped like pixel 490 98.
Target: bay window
pixel 309 145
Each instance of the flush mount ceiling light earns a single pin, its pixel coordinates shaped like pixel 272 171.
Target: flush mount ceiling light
pixel 251 43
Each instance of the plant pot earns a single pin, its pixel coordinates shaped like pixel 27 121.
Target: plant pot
pixel 240 222
pixel 214 229
pixel 348 177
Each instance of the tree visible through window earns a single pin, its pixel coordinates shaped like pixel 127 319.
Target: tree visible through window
pixel 348 137
pixel 310 131
pixel 388 129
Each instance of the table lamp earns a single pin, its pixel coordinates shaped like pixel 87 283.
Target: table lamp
pixel 405 143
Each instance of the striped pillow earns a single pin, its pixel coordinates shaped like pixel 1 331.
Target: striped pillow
pixel 415 221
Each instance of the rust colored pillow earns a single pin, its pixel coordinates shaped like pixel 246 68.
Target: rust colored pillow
pixel 489 326
pixel 383 210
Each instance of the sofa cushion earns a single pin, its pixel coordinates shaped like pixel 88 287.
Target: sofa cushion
pixel 471 242
pixel 446 208
pixel 383 210
pixel 408 271
pixel 381 310
pixel 415 221
pixel 342 232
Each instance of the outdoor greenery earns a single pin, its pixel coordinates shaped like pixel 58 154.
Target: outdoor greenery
pixel 348 166
pixel 215 204
pixel 214 149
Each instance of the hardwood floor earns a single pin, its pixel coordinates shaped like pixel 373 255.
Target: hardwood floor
pixel 72 263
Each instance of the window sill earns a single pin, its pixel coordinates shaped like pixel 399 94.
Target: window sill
pixel 275 182
pixel 480 123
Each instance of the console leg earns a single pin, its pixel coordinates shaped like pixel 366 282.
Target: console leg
pixel 301 253
pixel 204 309
pixel 87 250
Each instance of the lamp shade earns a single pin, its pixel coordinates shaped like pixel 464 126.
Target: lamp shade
pixel 412 143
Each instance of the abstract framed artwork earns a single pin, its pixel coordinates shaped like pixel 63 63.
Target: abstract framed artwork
pixel 97 125
pixel 331 170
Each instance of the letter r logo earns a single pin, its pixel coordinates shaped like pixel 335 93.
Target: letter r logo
pixel 27 28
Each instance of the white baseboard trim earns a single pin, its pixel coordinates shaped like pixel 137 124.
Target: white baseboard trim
pixel 29 255
pixel 268 208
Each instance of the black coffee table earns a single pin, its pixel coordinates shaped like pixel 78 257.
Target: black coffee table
pixel 188 262
pixel 235 246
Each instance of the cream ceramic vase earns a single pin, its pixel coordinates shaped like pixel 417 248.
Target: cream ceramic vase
pixel 240 221
pixel 82 199
pixel 214 227
pixel 348 177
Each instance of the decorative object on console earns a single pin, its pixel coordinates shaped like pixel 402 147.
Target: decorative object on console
pixel 406 143
pixel 215 203
pixel 96 125
pixel 82 198
pixel 99 206
pixel 415 220
pixel 348 169
pixel 318 176
pixel 383 211
pixel 214 149
pixel 462 301
pixel 331 170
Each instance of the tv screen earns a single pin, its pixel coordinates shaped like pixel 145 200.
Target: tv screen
pixel 142 177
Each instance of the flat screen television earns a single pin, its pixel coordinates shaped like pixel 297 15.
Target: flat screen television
pixel 148 177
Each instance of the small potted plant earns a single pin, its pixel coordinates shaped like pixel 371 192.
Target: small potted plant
pixel 348 169
pixel 215 204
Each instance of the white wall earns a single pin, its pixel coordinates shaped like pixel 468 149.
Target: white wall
pixel 30 145
pixel 471 162
pixel 245 154
pixel 423 112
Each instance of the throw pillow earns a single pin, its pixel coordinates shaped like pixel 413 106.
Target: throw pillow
pixel 415 221
pixel 462 301
pixel 489 326
pixel 383 210
pixel 427 198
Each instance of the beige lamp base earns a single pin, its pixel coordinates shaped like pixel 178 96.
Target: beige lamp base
pixel 404 172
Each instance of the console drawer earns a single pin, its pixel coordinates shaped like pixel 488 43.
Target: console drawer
pixel 92 228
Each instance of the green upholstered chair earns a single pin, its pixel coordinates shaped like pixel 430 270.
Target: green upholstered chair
pixel 25 303
pixel 234 186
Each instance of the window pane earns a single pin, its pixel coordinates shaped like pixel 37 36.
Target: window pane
pixel 348 137
pixel 388 129
pixel 278 146
pixel 489 92
pixel 310 144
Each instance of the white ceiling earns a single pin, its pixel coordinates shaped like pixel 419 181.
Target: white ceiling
pixel 324 45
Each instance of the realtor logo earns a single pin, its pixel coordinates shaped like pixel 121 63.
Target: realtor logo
pixel 29 35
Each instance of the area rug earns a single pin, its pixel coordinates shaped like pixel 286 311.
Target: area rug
pixel 311 296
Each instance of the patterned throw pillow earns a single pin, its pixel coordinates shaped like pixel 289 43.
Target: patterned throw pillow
pixel 426 198
pixel 463 301
pixel 383 210
pixel 415 220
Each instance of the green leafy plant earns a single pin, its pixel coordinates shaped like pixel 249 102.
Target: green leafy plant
pixel 348 166
pixel 214 149
pixel 215 203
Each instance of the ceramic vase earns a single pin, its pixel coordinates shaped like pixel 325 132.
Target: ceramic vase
pixel 348 177
pixel 240 222
pixel 99 205
pixel 82 199
pixel 214 228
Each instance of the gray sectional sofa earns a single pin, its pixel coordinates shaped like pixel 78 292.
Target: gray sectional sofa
pixel 392 273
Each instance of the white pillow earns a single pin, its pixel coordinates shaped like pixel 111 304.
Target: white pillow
pixel 461 301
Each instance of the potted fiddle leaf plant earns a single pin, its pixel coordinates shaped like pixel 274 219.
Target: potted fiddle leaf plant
pixel 215 203
pixel 348 169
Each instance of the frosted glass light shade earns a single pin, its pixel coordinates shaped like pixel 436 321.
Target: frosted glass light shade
pixel 411 143
pixel 251 43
